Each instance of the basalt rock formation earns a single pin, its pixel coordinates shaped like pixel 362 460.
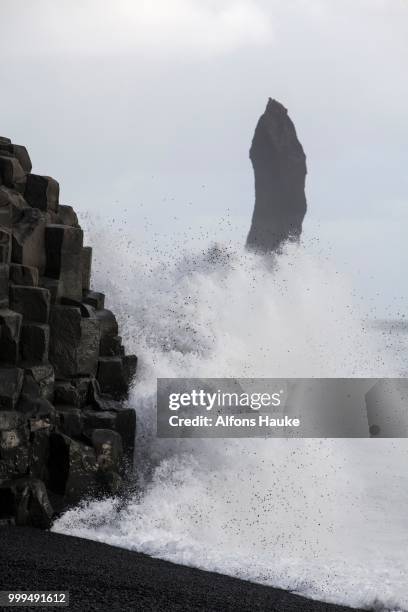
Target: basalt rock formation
pixel 280 170
pixel 65 431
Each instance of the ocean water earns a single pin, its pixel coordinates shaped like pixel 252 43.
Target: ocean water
pixel 325 518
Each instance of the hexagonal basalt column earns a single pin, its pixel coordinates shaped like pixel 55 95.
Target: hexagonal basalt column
pixel 63 245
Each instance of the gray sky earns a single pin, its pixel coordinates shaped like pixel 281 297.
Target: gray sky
pixel 144 111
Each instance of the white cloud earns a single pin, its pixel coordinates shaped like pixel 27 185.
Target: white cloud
pixel 162 27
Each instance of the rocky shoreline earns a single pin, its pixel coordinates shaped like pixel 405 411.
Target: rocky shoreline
pixel 66 430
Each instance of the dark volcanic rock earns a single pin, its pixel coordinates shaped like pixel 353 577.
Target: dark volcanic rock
pixel 35 339
pixel 72 467
pixel 32 302
pixel 78 469
pixel 101 419
pixel 11 172
pixel 111 376
pixel 86 310
pixel 70 420
pixel 42 192
pixel 11 382
pixel 6 211
pixel 28 239
pixel 44 377
pixel 66 393
pixel 23 275
pixel 18 152
pixel 26 501
pixel 280 170
pixel 39 454
pixel 112 346
pixel 59 433
pixel 86 265
pixel 5 246
pixel 109 330
pixel 108 448
pixel 67 216
pixel 95 299
pixel 10 329
pixel 129 368
pixel 74 346
pixel 4 285
pixel 126 426
pixel 83 385
pixel 64 258
pixel 13 202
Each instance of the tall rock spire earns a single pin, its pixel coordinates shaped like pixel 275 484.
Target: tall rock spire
pixel 279 166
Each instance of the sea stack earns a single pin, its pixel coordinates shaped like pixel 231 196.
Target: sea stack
pixel 65 430
pixel 279 166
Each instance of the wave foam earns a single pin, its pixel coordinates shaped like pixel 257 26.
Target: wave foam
pixel 324 518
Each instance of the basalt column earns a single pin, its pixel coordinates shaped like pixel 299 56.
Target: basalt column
pixel 280 170
pixel 66 430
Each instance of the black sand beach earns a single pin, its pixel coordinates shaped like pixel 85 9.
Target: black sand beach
pixel 102 577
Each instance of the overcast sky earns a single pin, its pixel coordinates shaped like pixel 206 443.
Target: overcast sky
pixel 144 111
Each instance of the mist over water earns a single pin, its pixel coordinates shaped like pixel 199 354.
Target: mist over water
pixel 326 518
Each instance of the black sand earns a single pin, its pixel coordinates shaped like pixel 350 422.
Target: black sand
pixel 102 577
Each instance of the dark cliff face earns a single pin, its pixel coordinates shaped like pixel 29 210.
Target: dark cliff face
pixel 279 166
pixel 64 431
